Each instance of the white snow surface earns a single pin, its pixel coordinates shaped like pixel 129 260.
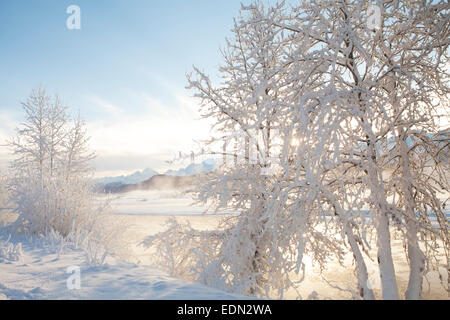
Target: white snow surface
pixel 36 272
pixel 157 203
pixel 42 275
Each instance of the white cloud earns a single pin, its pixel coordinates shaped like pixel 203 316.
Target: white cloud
pixel 107 107
pixel 147 138
pixel 127 139
pixel 8 122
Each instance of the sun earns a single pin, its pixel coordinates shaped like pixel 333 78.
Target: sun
pixel 295 142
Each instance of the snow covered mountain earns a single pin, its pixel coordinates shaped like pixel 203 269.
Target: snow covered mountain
pixel 141 176
pixel 194 168
pixel 133 178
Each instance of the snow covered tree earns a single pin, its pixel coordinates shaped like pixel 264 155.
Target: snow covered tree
pixel 284 217
pixel 77 156
pixel 389 87
pixel 354 115
pixel 248 108
pixel 51 186
pixel 265 243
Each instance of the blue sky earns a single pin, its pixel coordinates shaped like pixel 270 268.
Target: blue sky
pixel 124 70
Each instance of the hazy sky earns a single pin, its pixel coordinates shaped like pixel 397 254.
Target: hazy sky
pixel 124 70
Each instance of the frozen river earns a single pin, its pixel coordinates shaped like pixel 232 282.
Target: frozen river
pixel 156 204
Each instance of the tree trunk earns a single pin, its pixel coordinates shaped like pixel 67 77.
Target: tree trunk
pixel 364 289
pixel 415 254
pixel 385 261
pixel 416 264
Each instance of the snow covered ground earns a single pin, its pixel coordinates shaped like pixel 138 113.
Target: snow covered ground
pixel 39 273
pixel 146 212
pixel 156 203
pixel 314 286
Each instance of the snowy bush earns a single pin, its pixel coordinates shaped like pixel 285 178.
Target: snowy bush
pixel 51 187
pixel 10 251
pixel 103 238
pixel 180 250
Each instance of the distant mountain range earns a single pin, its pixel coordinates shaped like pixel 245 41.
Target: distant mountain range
pixel 150 179
pixel 133 178
pixel 157 182
pixel 194 168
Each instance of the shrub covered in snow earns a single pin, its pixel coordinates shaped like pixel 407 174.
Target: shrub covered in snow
pixel 51 186
pixel 181 250
pixel 10 251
